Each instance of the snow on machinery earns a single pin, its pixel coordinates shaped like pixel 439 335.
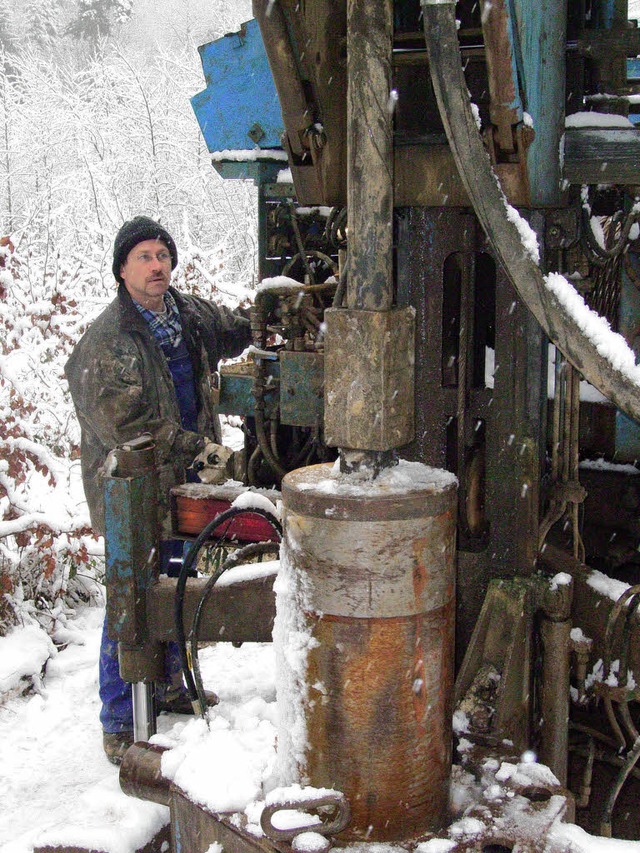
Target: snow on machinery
pixel 420 328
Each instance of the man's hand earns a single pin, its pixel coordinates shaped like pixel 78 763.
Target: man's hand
pixel 212 464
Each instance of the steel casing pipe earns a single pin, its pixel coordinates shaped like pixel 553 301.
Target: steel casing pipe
pixel 374 570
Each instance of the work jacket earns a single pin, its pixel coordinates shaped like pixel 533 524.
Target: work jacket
pixel 122 387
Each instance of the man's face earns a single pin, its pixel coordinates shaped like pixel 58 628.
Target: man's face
pixel 147 272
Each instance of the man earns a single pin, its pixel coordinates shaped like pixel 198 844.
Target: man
pixel 145 366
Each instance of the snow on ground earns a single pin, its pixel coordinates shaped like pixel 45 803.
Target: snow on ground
pixel 53 771
pixel 57 786
pixel 59 789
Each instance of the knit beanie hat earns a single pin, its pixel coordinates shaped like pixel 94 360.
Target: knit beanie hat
pixel 137 230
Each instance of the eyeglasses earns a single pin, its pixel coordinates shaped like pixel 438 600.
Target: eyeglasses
pixel 147 257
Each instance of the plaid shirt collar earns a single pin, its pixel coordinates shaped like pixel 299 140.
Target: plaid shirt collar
pixel 166 327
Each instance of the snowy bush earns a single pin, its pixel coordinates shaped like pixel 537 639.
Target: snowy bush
pixel 92 132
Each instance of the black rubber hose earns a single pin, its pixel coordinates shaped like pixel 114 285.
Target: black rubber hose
pixel 263 441
pixel 598 254
pixel 252 550
pixel 189 566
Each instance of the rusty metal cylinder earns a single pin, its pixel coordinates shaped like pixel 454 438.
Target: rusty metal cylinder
pixel 373 566
pixel 141 774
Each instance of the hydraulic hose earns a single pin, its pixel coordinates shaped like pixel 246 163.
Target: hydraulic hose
pixel 599 254
pixel 254 549
pixel 188 567
pixel 617 380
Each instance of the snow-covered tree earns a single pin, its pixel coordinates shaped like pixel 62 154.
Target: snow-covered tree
pixel 41 23
pixel 95 19
pixel 88 138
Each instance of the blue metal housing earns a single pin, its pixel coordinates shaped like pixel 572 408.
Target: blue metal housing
pixel 131 553
pixel 239 109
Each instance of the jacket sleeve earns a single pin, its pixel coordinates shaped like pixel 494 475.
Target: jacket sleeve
pixel 230 330
pixel 106 384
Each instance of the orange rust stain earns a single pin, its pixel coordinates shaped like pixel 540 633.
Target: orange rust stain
pixel 420 571
pixel 376 737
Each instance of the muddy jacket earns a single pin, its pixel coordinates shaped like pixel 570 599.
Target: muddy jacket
pixel 121 387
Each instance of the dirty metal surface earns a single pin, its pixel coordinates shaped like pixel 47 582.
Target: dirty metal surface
pixel 242 612
pixel 378 574
pixel 308 491
pixel 318 32
pixel 379 728
pixel 369 358
pixel 510 414
pixel 591 609
pixel 130 553
pixel 141 773
pixel 369 155
pixel 301 388
pixel 194 829
pixel 360 569
pixel 493 685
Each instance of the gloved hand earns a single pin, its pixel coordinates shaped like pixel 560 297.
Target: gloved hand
pixel 211 465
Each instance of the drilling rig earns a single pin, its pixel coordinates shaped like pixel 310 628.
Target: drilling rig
pixel 443 389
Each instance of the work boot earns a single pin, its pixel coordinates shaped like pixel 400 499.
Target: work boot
pixel 178 702
pixel 115 744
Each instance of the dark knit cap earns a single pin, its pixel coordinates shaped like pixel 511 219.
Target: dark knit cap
pixel 137 230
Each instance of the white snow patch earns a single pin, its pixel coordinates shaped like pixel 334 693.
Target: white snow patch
pixel 194 763
pixel 250 571
pixel 561 579
pixel 609 587
pixel 249 154
pixel 277 282
pixel 526 773
pixel 589 119
pixel 435 845
pixel 255 500
pixel 460 722
pixel 23 653
pixel 527 234
pixel 309 842
pixel 292 641
pixel 403 477
pixel 614 467
pixel 608 343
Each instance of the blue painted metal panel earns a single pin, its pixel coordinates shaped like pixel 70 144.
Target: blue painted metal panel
pixel 633 69
pixel 130 553
pixel 236 393
pixel 603 14
pixel 241 96
pixel 516 62
pixel 541 34
pixel 627 430
pixel 301 388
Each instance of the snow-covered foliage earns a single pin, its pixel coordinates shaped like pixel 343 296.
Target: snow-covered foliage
pixel 89 137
